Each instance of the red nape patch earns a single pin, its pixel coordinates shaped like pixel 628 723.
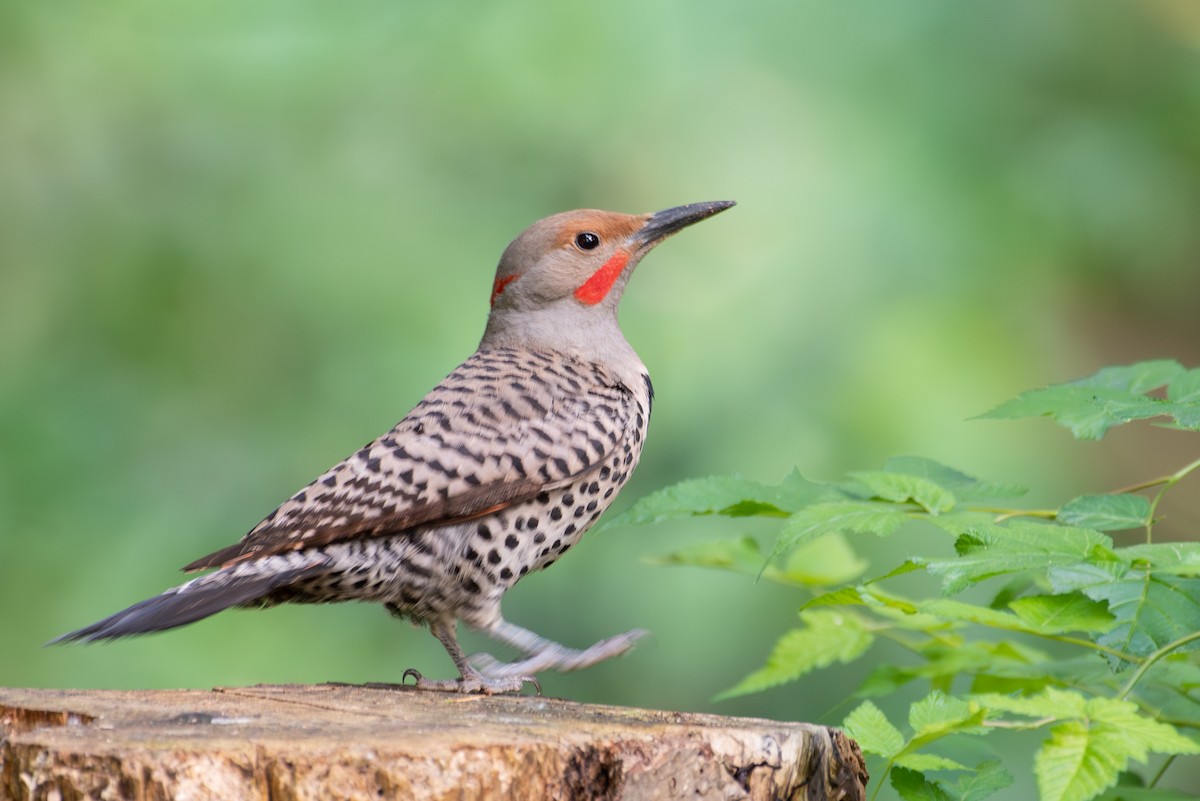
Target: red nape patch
pixel 596 288
pixel 498 287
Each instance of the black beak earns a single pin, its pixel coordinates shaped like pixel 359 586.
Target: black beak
pixel 666 222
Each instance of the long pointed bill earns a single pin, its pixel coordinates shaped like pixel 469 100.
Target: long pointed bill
pixel 666 222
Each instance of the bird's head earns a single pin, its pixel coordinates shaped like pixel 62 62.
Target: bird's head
pixel 582 259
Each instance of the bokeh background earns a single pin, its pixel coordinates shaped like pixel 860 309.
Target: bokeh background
pixel 239 240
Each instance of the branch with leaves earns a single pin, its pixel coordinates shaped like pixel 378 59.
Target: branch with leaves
pixel 1127 613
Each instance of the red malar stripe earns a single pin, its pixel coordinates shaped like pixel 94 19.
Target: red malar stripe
pixel 498 287
pixel 596 288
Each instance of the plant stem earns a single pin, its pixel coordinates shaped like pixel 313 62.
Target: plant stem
pixel 1167 482
pixel 1154 482
pixel 1152 659
pixel 1113 652
pixel 1166 764
pixel 1006 514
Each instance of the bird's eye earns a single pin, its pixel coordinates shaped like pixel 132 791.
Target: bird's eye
pixel 587 241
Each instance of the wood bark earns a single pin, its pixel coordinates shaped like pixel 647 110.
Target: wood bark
pixel 294 743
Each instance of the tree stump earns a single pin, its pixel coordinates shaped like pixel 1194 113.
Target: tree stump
pixel 287 743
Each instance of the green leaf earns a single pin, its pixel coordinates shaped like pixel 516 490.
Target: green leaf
pixel 985 780
pixel 828 636
pixel 1056 614
pixel 831 517
pixel 1138 734
pixel 912 785
pixel 1106 512
pixel 1150 610
pixel 938 714
pixel 963 486
pixel 884 603
pixel 1185 388
pixel 988 778
pixel 1092 405
pixel 1052 703
pixel 1184 397
pixel 1084 756
pixel 870 728
pixel 987 550
pixel 728 495
pixel 923 762
pixel 1176 558
pixel 822 562
pixel 1074 764
pixel 842 596
pixel 949 657
pixel 901 488
pixel 948 609
pixel 740 556
pixel 1136 378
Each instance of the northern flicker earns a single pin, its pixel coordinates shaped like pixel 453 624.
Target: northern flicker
pixel 494 475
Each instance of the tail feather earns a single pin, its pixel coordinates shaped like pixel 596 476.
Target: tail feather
pixel 188 603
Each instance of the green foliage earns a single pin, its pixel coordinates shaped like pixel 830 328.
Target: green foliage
pixel 1090 639
pixel 1115 395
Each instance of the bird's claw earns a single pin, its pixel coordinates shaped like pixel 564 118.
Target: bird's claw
pixel 474 683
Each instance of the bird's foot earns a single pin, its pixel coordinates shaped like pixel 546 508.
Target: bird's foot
pixel 553 656
pixel 473 683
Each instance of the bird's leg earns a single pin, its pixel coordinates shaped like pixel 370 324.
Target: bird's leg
pixel 543 654
pixel 470 680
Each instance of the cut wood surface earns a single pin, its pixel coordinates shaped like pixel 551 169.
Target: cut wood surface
pixel 334 741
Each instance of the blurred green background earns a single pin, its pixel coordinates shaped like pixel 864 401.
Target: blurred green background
pixel 239 240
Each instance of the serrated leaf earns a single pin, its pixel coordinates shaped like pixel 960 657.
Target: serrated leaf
pixel 911 785
pixel 1150 610
pixel 740 556
pixel 823 562
pixel 720 495
pixel 949 609
pixel 907 566
pixel 1106 512
pixel 938 713
pixel 855 517
pixel 1135 378
pixel 1034 676
pixel 1076 763
pixel 1184 397
pixel 949 657
pixel 842 596
pixel 963 486
pixel 1052 703
pixel 988 778
pixel 869 727
pixel 1092 405
pixel 828 636
pixel 1084 756
pixel 923 762
pixel 1140 735
pixel 1185 388
pixel 1186 416
pixel 903 488
pixel 820 563
pixel 1055 614
pixel 1012 589
pixel 1175 558
pixel 988 550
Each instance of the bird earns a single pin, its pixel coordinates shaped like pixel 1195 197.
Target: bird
pixel 494 475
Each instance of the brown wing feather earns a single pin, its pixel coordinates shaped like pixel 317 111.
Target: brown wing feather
pixel 503 427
